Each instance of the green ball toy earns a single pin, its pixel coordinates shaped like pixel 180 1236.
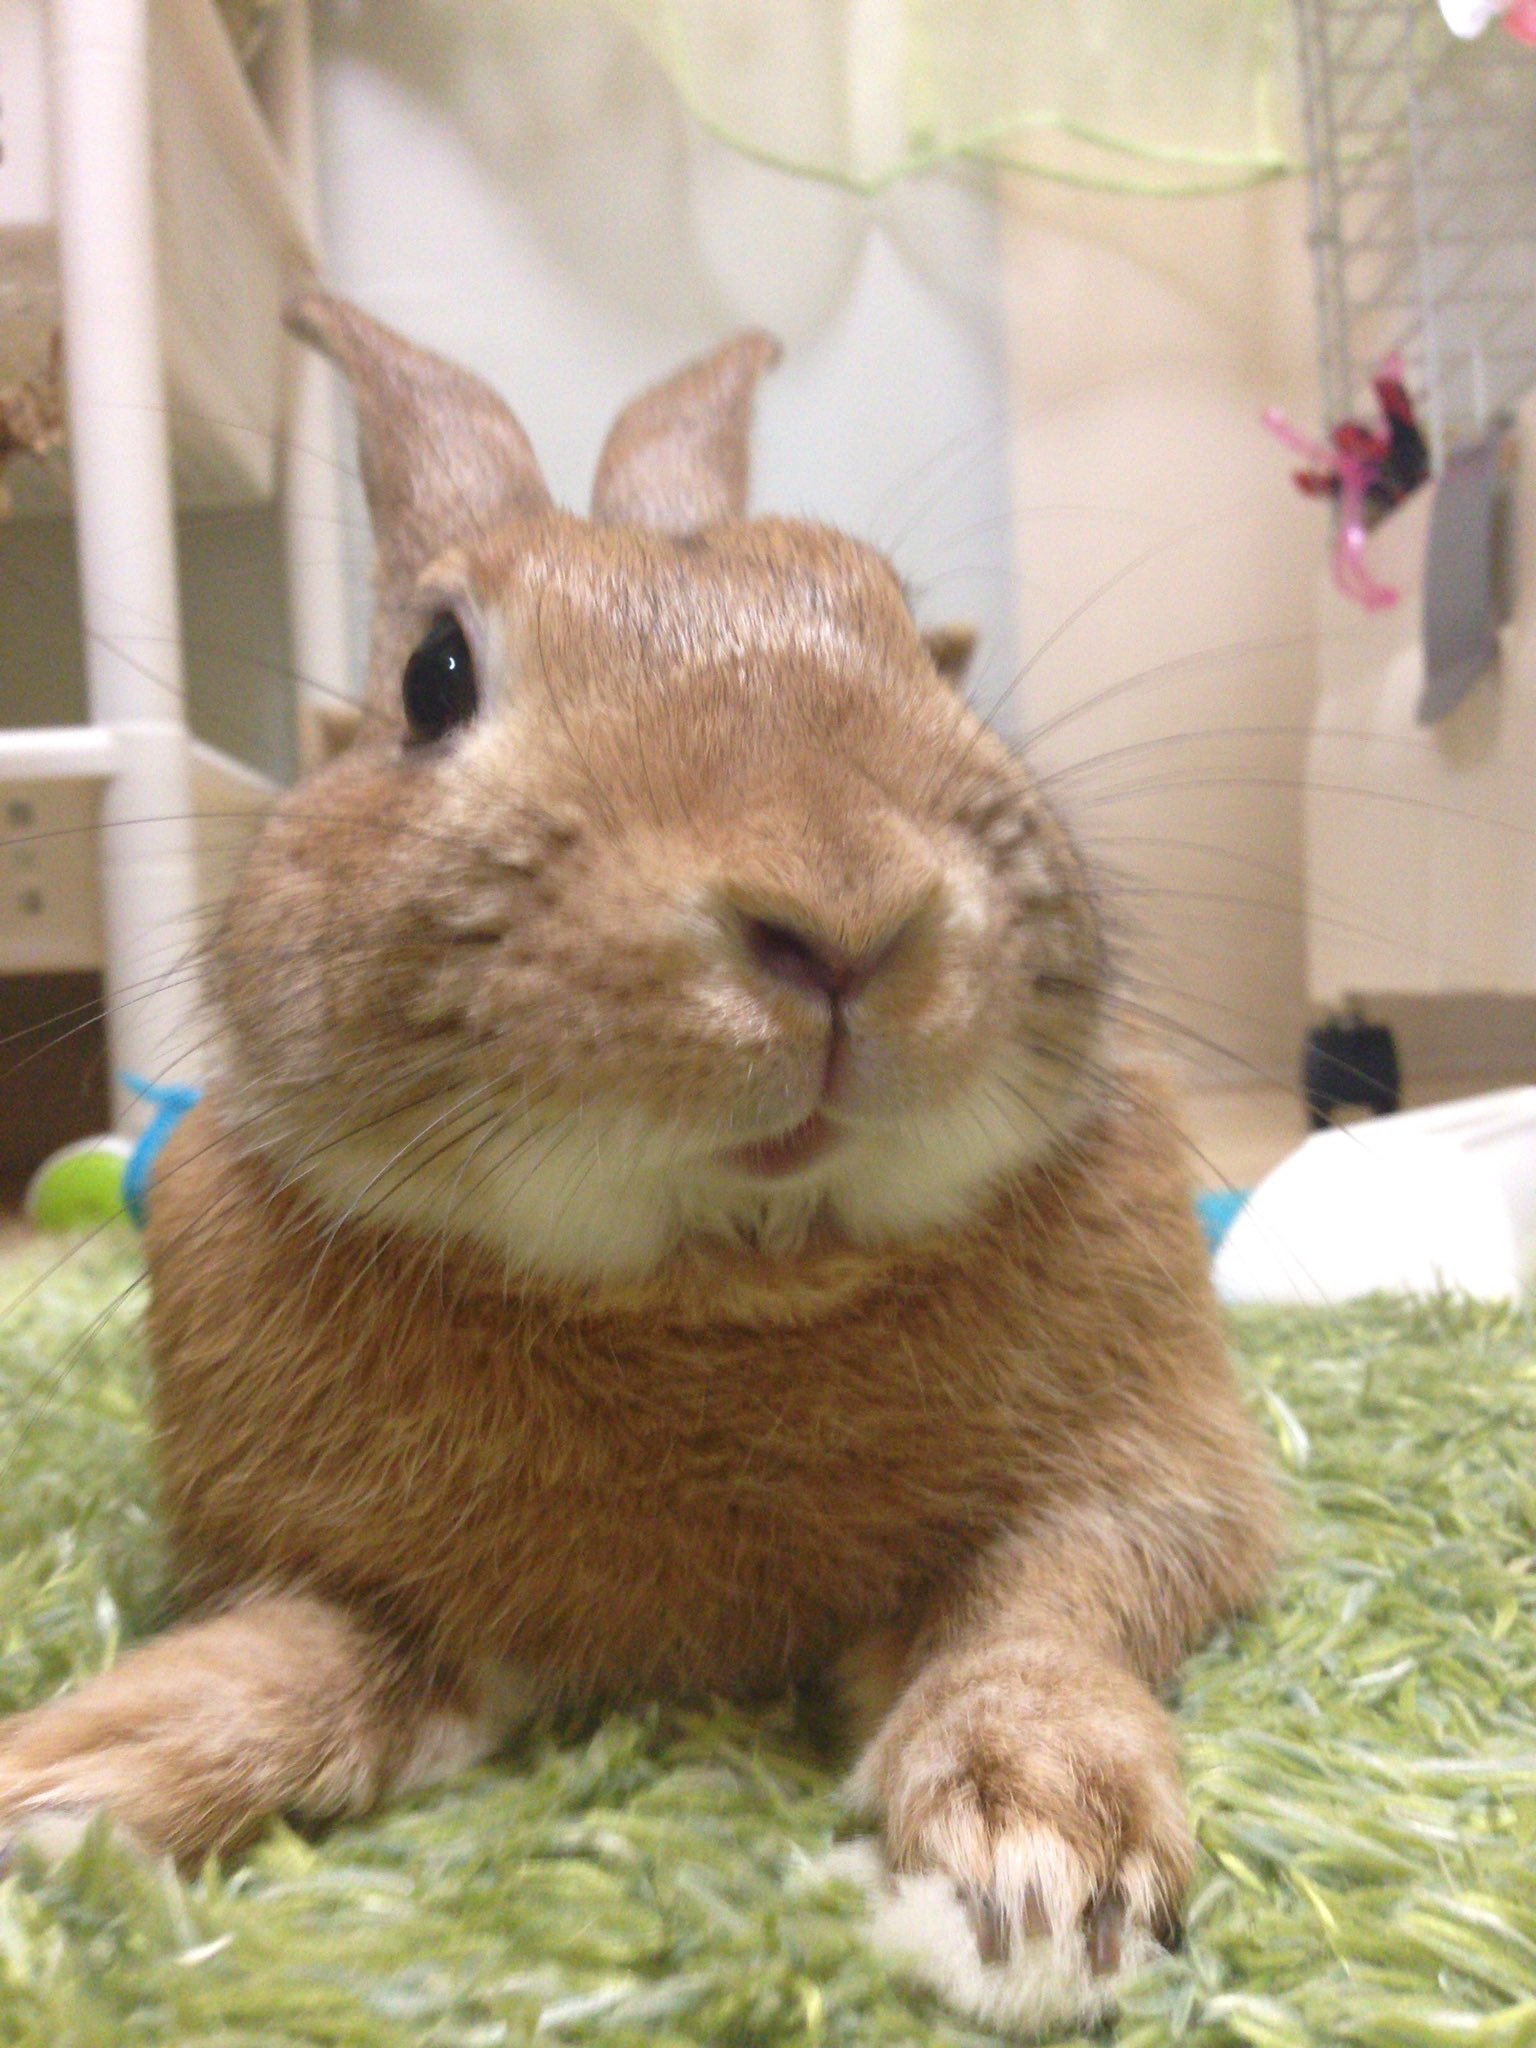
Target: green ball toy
pixel 80 1186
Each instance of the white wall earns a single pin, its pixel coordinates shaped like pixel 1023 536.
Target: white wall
pixel 516 185
pixel 1146 337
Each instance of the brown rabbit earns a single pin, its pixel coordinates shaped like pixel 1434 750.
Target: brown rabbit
pixel 673 1215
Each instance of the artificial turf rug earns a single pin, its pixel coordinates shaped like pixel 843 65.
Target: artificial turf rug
pixel 1361 1760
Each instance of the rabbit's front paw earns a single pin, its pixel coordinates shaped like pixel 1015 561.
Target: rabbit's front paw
pixel 1033 1832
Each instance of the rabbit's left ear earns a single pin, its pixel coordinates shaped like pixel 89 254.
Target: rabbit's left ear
pixel 443 459
pixel 676 458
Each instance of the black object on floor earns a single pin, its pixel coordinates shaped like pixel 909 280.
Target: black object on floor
pixel 1349 1064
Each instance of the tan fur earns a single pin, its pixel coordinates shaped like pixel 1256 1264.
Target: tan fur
pixel 676 458
pixel 489 1378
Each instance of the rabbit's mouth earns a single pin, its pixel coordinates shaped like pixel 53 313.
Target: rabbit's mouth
pixel 770 1158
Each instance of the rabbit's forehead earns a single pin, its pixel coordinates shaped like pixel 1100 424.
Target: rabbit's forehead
pixel 572 592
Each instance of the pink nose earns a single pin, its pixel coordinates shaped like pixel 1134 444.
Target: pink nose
pixel 810 964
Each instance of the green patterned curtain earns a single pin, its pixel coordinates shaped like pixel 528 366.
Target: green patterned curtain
pixel 1135 95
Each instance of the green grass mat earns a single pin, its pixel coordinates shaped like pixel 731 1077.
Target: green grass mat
pixel 1362 1762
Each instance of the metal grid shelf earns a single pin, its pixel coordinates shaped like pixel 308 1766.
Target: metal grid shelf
pixel 1422 156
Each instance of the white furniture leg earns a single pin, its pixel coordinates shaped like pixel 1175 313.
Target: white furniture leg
pixel 124 525
pixel 311 474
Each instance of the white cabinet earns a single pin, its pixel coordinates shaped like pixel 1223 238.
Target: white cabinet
pixel 156 206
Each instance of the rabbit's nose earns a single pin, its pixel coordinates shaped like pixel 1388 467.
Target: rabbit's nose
pixel 812 964
pixel 827 958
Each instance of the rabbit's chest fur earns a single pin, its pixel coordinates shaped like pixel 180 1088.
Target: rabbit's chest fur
pixel 610 1501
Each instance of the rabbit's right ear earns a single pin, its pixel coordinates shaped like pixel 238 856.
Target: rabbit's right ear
pixel 443 459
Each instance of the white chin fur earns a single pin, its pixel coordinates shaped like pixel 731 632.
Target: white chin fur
pixel 1043 1986
pixel 609 1195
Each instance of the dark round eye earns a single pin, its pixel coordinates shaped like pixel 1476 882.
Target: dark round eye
pixel 439 690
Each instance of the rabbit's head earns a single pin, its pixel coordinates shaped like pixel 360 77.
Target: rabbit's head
pixel 671 890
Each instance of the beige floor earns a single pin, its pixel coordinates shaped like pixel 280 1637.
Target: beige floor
pixel 1237 1134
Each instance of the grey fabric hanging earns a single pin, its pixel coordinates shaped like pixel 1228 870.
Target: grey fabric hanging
pixel 1466 596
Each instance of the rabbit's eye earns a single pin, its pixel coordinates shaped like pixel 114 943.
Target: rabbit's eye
pixel 439 690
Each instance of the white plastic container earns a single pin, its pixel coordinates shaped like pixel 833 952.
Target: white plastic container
pixel 1435 1200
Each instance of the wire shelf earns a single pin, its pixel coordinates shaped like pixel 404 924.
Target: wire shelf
pixel 1422 160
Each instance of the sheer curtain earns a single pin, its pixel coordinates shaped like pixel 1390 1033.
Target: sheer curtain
pixel 1141 95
